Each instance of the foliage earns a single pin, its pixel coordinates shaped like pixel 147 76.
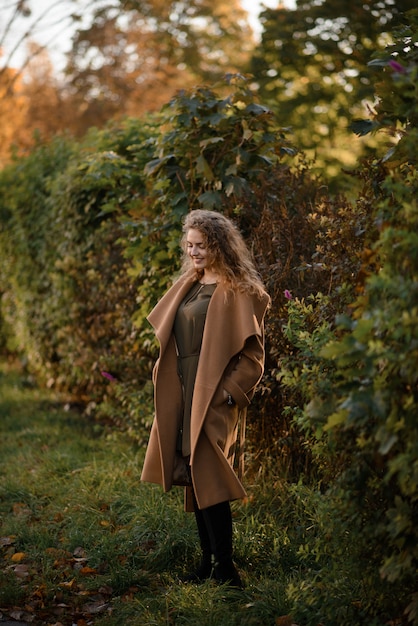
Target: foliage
pixel 360 388
pixel 145 51
pixel 311 65
pixel 123 59
pixel 67 295
pixel 338 401
pixel 227 153
pixel 113 209
pixel 212 152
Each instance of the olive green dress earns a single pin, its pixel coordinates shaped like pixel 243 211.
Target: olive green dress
pixel 188 331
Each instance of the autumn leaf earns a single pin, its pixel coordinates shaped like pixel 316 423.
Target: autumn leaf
pixel 20 615
pixel 7 541
pixel 18 556
pixel 69 584
pixel 20 509
pixel 21 570
pixel 88 571
pixel 95 607
pixel 285 620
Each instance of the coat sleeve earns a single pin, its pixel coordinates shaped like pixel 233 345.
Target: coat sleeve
pixel 245 371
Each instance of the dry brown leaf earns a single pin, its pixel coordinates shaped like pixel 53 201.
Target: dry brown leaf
pixel 20 509
pixel 88 571
pixel 21 570
pixel 7 541
pixel 69 584
pixel 95 607
pixel 79 552
pixel 59 553
pixel 21 616
pixel 285 620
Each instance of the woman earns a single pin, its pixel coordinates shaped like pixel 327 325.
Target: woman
pixel 211 333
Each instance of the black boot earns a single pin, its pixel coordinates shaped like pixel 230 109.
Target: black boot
pixel 218 520
pixel 205 568
pixel 226 572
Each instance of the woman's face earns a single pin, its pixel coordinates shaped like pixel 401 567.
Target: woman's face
pixel 196 249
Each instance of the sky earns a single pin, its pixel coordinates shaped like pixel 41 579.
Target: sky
pixel 254 8
pixel 55 33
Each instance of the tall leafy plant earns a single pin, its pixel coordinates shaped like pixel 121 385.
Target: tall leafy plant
pixel 67 293
pixel 365 421
pixel 211 153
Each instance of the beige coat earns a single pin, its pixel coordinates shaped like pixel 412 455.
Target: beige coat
pixel 231 358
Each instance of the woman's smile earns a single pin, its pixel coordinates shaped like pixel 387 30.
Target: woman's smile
pixel 196 248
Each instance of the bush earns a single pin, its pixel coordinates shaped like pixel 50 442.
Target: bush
pixel 359 392
pixel 68 297
pixel 106 230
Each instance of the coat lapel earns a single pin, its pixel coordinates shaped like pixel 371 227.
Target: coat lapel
pixel 162 316
pixel 228 325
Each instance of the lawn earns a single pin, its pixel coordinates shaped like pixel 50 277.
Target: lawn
pixel 83 541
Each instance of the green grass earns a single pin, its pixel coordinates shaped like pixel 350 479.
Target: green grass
pixel 84 539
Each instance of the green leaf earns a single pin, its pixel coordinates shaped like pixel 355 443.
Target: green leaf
pixel 336 419
pixel 155 165
pixel 363 127
pixel 377 63
pixel 206 142
pixel 257 109
pixel 203 167
pixel 210 200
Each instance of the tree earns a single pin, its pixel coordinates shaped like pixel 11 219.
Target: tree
pixel 361 387
pixel 24 22
pixel 127 58
pixel 311 66
pixel 134 56
pixel 31 97
pixel 13 108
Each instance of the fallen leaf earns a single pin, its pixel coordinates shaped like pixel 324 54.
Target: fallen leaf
pixel 285 620
pixel 70 584
pixel 59 553
pixel 21 509
pixel 40 592
pixel 88 571
pixel 18 556
pixel 21 570
pixel 21 616
pixel 7 541
pixel 79 552
pixel 95 607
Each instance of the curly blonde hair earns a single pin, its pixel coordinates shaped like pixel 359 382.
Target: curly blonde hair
pixel 227 251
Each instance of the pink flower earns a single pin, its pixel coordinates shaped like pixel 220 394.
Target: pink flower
pixel 108 376
pixel 397 67
pixel 288 295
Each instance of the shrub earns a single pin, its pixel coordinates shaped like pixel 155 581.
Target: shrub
pixel 359 391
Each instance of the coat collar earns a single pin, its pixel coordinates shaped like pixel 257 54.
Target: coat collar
pixel 229 321
pixel 162 316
